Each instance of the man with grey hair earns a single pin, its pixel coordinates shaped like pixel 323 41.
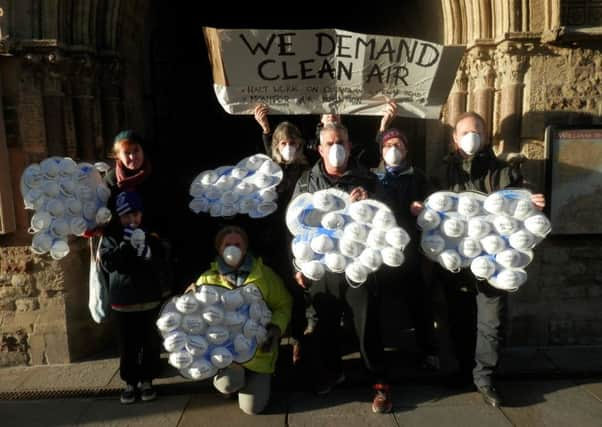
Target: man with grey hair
pixel 331 296
pixel 475 305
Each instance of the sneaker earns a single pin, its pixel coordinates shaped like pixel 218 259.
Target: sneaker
pixel 382 403
pixel 128 395
pixel 147 392
pixel 323 388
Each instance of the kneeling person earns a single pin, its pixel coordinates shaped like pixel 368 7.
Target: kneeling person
pixel 234 268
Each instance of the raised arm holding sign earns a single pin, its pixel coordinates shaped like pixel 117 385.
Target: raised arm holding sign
pixel 329 71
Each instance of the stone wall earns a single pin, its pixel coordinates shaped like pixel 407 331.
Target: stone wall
pixel 561 303
pixel 39 302
pixel 62 85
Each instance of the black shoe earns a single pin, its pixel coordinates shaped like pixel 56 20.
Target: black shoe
pixel 128 395
pixel 147 392
pixel 490 395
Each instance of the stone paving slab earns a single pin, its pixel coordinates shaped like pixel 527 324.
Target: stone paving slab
pixel 75 375
pixel 169 378
pixel 550 403
pixel 166 411
pixel 432 395
pixel 593 387
pixel 452 416
pixel 212 409
pixel 12 378
pixel 42 413
pixel 349 408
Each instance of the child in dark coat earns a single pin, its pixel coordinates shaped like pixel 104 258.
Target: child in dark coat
pixel 132 257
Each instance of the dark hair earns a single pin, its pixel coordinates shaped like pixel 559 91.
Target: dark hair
pixel 230 229
pixel 129 135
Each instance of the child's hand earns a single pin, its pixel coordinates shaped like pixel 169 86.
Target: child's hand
pixel 135 236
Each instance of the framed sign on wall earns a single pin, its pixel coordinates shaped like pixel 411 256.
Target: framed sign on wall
pixel 575 179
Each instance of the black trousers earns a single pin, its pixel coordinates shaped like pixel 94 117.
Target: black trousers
pixel 333 299
pixel 476 314
pixel 491 312
pixel 407 284
pixel 139 345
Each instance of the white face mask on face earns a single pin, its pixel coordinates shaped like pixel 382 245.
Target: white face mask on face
pixel 232 255
pixel 470 143
pixel 392 157
pixel 337 155
pixel 288 152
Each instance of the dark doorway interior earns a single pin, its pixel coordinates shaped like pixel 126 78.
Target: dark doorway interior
pixel 191 132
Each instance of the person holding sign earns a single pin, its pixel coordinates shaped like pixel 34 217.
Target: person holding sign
pixel 286 147
pixel 473 166
pixel 331 296
pixel 368 155
pixel 236 268
pixel 406 186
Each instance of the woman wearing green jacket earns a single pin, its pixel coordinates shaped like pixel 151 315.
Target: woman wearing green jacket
pixel 234 268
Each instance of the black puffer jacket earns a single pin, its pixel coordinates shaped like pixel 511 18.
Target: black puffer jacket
pixel 402 189
pixel 484 172
pixel 132 279
pixel 356 176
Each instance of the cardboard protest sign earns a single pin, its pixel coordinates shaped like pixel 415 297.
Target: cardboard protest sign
pixel 329 71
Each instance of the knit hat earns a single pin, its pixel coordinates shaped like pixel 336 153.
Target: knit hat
pixel 393 133
pixel 128 201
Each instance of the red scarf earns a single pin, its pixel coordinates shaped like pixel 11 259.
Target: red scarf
pixel 127 179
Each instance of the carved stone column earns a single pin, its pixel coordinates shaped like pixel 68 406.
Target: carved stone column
pixel 83 75
pixel 456 103
pixel 483 77
pixel 111 102
pixel 30 106
pixel 511 67
pixel 54 101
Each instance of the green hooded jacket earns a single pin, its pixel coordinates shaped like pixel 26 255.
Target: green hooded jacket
pixel 275 296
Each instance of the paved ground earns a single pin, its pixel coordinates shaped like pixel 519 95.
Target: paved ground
pixel 541 387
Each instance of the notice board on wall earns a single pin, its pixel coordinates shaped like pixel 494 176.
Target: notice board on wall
pixel 575 179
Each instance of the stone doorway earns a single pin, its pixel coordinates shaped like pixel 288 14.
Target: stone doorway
pixel 191 132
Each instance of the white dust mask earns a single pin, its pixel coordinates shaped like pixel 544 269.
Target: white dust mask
pixel 288 152
pixel 392 157
pixel 337 155
pixel 232 255
pixel 470 143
